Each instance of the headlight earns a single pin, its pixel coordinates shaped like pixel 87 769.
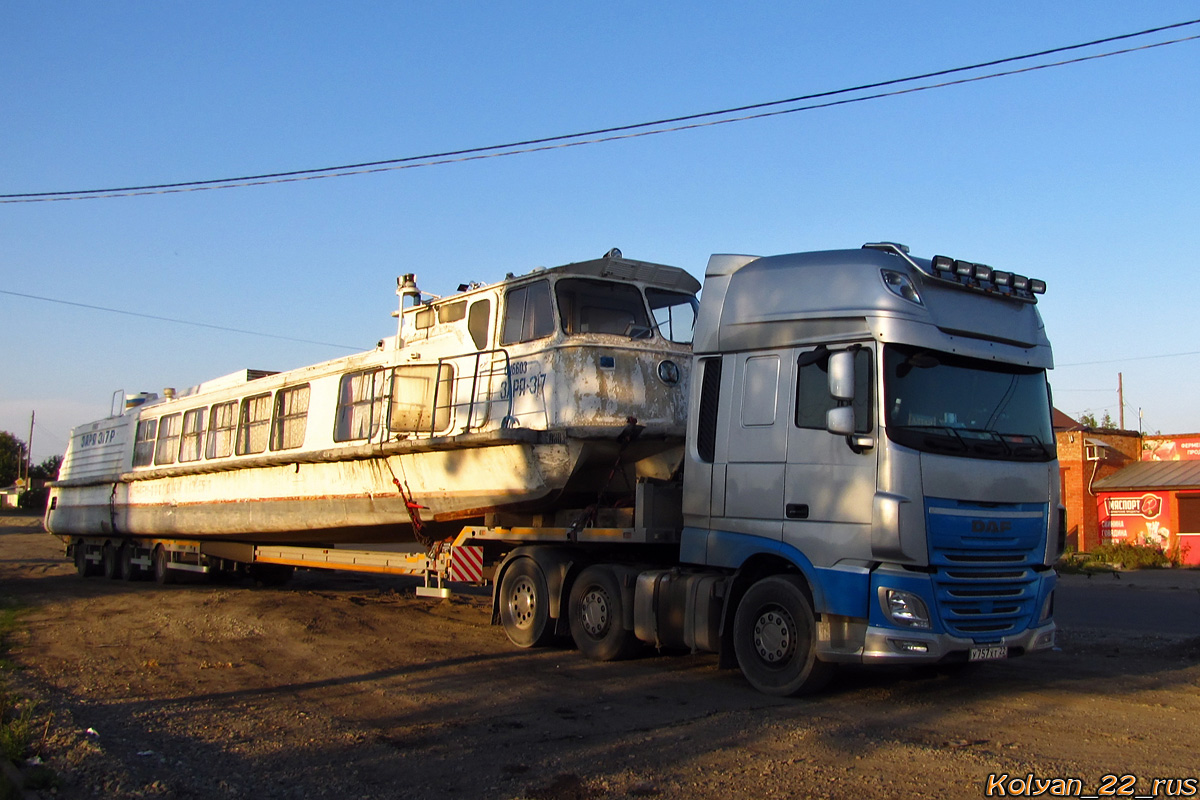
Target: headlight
pixel 904 609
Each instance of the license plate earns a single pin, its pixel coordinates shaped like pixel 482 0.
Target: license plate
pixel 988 653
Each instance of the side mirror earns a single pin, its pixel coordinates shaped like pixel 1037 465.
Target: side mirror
pixel 841 375
pixel 840 421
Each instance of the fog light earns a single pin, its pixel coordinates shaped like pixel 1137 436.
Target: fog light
pixel 909 646
pixel 904 609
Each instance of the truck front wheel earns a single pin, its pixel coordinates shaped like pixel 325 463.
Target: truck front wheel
pixel 596 609
pixel 774 638
pixel 525 604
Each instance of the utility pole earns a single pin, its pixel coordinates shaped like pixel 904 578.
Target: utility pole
pixel 29 450
pixel 1121 398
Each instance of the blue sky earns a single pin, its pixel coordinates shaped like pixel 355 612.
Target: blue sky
pixel 1084 175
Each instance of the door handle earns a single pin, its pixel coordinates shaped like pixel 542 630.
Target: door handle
pixel 796 510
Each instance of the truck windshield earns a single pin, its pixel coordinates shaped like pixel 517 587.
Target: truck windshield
pixel 941 403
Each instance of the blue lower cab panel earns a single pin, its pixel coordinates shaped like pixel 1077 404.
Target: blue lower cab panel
pixel 984 557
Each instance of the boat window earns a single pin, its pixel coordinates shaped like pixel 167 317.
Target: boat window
pixel 423 319
pixel 167 448
pixel 478 321
pixel 813 400
pixel 254 421
pixel 290 419
pixel 452 312
pixel 191 442
pixel 421 398
pixel 588 306
pixel 222 422
pixel 528 313
pixel 674 314
pixel 144 439
pixel 360 405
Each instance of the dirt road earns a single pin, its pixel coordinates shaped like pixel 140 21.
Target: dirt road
pixel 349 687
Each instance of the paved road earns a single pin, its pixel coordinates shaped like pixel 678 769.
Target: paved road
pixel 1150 602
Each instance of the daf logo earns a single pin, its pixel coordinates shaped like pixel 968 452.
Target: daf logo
pixel 990 526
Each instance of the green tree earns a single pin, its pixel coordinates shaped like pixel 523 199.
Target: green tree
pixel 48 469
pixel 12 450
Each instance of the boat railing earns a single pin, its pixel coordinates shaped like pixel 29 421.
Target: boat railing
pixel 472 387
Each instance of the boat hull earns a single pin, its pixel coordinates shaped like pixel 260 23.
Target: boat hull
pixel 358 499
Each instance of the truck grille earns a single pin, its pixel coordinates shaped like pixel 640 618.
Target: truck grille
pixel 985 584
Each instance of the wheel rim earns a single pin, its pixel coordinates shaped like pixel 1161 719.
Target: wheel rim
pixel 594 612
pixel 523 603
pixel 775 636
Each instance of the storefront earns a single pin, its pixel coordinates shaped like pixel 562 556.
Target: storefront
pixel 1156 501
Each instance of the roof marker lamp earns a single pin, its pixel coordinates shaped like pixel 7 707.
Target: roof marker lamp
pixel 901 285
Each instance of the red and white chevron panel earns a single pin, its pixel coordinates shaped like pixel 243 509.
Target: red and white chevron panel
pixel 466 564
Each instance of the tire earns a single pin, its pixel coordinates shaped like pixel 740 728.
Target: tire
pixel 525 604
pixel 129 571
pixel 596 610
pixel 108 557
pixel 162 572
pixel 82 566
pixel 774 638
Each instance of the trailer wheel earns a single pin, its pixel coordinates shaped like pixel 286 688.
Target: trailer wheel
pixel 129 570
pixel 82 566
pixel 108 556
pixel 774 638
pixel 596 609
pixel 525 604
pixel 162 570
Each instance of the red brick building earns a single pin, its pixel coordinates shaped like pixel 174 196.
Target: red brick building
pixel 1086 456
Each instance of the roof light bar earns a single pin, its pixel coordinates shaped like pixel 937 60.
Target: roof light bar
pixel 981 277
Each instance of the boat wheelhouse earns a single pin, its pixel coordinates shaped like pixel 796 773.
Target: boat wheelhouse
pixel 500 403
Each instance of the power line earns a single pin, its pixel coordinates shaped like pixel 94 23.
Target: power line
pixel 175 320
pixel 574 139
pixel 1128 358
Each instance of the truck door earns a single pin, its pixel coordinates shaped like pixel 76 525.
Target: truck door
pixel 758 430
pixel 829 487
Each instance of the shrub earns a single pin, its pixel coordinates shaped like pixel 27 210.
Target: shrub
pixel 1130 556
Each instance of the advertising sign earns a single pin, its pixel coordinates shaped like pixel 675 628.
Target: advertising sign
pixel 1171 448
pixel 1143 518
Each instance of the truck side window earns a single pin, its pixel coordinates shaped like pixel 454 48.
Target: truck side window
pixel 528 313
pixel 706 421
pixel 813 400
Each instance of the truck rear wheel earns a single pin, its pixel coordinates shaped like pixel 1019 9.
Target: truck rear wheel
pixel 596 611
pixel 525 604
pixel 774 638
